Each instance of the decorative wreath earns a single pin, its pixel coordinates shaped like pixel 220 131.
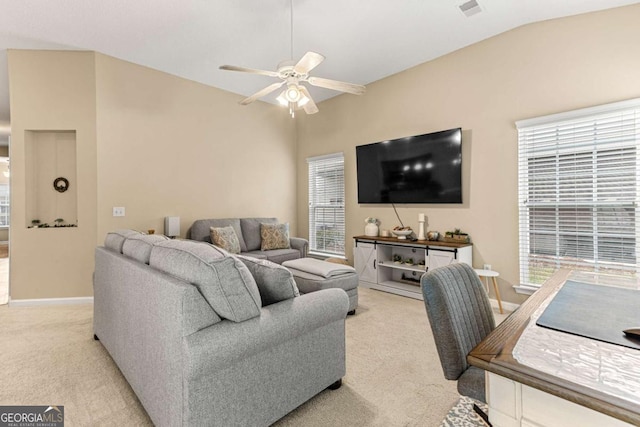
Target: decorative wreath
pixel 61 184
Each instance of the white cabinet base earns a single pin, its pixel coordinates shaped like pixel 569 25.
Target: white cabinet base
pixel 512 404
pixel 377 268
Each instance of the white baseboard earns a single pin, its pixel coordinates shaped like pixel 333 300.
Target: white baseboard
pixel 49 301
pixel 508 306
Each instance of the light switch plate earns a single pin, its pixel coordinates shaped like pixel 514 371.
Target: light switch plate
pixel 118 211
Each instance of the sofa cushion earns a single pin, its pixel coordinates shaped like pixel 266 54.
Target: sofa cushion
pixel 115 239
pixel 226 238
pixel 319 267
pixel 224 281
pixel 139 246
pixel 277 255
pixel 274 236
pixel 201 229
pixel 251 231
pixel 275 282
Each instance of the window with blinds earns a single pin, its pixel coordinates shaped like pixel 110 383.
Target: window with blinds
pixel 326 205
pixel 578 192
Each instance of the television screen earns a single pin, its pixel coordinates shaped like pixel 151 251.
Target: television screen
pixel 416 169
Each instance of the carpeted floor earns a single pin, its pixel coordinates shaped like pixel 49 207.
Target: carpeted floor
pixel 393 375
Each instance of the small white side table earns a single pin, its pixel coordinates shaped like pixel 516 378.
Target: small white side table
pixel 493 274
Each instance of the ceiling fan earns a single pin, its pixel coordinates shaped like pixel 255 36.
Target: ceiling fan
pixel 293 74
pixel 296 95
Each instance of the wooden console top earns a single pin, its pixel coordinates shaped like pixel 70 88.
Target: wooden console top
pixel 425 243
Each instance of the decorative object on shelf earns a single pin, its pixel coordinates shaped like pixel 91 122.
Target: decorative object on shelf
pixel 385 233
pixel 433 235
pixel 421 220
pixel 422 263
pixel 402 232
pixel 59 223
pixel 151 231
pixel 172 226
pixel 408 261
pixel 397 259
pixel 371 229
pixel 411 280
pixel 61 184
pixel 456 236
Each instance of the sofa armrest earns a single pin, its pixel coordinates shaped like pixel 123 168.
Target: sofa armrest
pixel 223 344
pixel 300 244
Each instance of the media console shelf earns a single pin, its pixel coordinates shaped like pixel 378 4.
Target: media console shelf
pixel 392 265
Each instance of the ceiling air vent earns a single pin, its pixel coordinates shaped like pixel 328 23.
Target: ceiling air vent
pixel 470 8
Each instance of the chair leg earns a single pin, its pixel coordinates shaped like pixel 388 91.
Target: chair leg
pixel 482 414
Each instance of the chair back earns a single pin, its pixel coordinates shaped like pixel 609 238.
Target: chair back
pixel 459 313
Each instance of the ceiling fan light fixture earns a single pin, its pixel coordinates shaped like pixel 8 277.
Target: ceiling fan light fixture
pixel 282 99
pixel 292 94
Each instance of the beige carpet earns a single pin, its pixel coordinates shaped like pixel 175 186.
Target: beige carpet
pixel 393 375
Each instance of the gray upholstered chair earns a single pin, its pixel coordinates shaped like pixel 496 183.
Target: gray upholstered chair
pixel 460 316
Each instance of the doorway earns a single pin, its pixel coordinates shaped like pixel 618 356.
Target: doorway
pixel 4 227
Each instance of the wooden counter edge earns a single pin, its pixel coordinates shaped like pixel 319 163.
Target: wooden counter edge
pixel 493 354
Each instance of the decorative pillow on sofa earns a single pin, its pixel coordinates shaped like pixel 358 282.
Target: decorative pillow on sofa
pixel 251 231
pixel 226 238
pixel 222 279
pixel 275 282
pixel 274 236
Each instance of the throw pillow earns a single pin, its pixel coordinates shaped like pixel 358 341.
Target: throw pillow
pixel 222 279
pixel 275 282
pixel 226 238
pixel 274 236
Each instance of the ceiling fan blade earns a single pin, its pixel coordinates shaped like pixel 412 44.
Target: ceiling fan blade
pixel 336 85
pixel 308 62
pixel 310 107
pixel 250 70
pixel 267 90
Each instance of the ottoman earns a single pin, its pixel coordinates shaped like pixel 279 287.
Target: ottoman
pixel 313 275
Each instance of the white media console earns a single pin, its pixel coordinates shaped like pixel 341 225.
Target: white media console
pixel 392 265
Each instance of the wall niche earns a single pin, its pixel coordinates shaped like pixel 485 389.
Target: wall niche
pixel 51 179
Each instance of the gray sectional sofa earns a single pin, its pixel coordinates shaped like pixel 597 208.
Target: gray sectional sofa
pixel 206 338
pixel 248 232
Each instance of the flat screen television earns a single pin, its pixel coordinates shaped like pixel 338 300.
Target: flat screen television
pixel 416 169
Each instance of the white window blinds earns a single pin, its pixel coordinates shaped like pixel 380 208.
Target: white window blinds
pixel 578 192
pixel 326 204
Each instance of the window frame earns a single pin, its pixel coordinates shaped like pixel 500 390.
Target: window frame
pixel 573 137
pixel 336 204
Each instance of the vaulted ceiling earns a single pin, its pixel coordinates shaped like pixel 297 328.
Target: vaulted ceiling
pixel 363 41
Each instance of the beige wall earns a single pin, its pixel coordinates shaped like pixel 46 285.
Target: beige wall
pixel 156 144
pixel 52 91
pixel 160 145
pixel 534 70
pixel 171 147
